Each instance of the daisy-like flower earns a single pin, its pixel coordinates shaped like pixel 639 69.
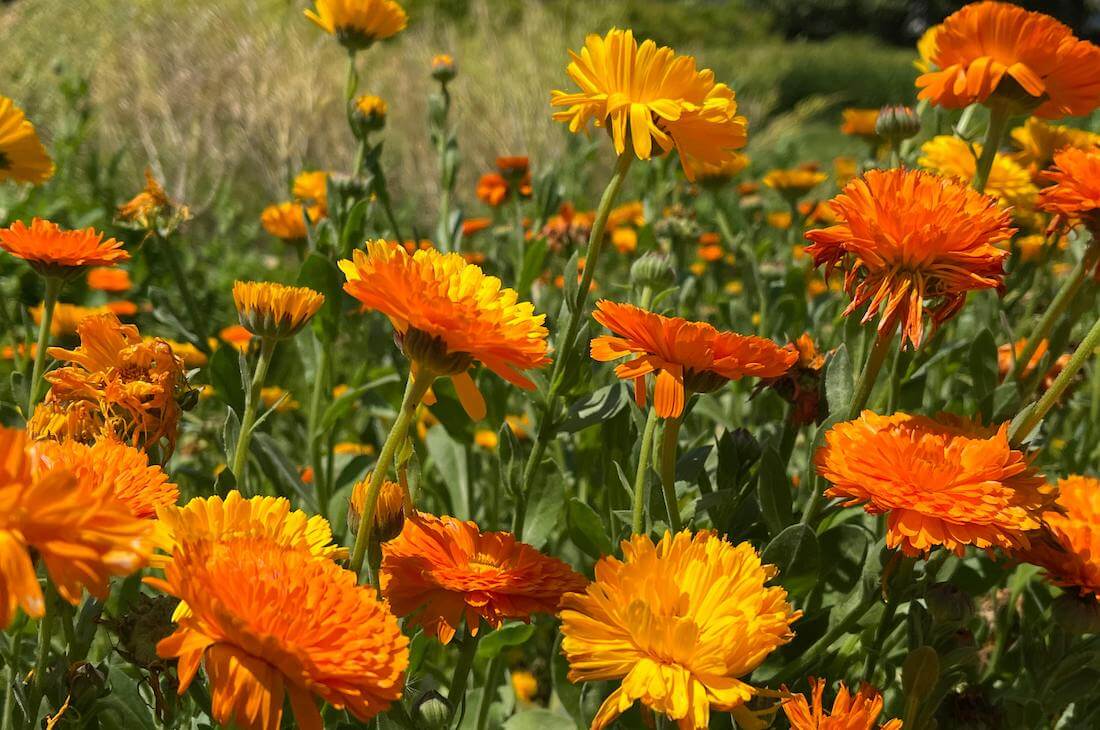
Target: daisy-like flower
pixel 115 467
pixel 269 622
pixel 449 314
pixel 1068 547
pixel 311 188
pixel 285 220
pixel 859 123
pixel 715 175
pixel 54 252
pixel 1075 193
pixel 949 156
pixel 1037 141
pixel 850 712
pixel 492 189
pixel 678 622
pixel 271 519
pixel 947 483
pixel 999 50
pixel 359 23
pixel 22 156
pixel 273 310
pixel 649 96
pixel 128 386
pixel 109 279
pixel 687 357
pixel 76 526
pixel 907 236
pixel 792 184
pixel 440 570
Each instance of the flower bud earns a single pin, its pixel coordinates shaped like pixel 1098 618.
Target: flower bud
pixel 897 123
pixel 653 270
pixel 948 604
pixel 432 711
pixel 389 511
pixel 444 68
pixel 369 113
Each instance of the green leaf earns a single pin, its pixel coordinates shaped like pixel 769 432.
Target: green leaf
pixel 225 376
pixel 586 529
pixel 231 431
pixel 321 275
pixel 919 673
pixel 539 720
pixel 983 369
pixel 281 471
pixel 508 465
pixel 773 490
pixel 533 259
pixel 797 555
pixel 838 381
pixel 738 451
pixel 125 708
pixel 340 406
pixel 605 403
pixel 450 460
pixel 569 694
pixel 512 634
pixel 546 502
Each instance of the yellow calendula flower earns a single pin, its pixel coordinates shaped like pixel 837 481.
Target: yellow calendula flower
pixel 1037 142
pixel 952 157
pixel 486 438
pixel 359 23
pixel 285 220
pixel 859 122
pixel 351 448
pixel 444 68
pixel 389 512
pixel 311 188
pixel 655 97
pixel 721 173
pixel 22 156
pixel 272 397
pixel 679 622
pixel 795 182
pixel 273 310
pixel 926 49
pixel 369 112
pixel 525 685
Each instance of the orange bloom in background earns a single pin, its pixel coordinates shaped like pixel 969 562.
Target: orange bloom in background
pixel 470 226
pixel 121 308
pixel 687 357
pixel 267 309
pixel 492 188
pixel 311 188
pixel 146 208
pixel 390 508
pixel 1007 354
pixel 285 220
pixel 908 236
pixel 76 527
pixel 440 570
pixel 132 387
pixel 1037 142
pixel 1068 548
pixel 115 467
pixel 515 166
pixel 947 483
pixel 109 279
pixel 1001 51
pixel 359 23
pixel 52 251
pixel 624 239
pixel 244 620
pixel 858 712
pixel 66 317
pixel 844 169
pixel 1075 193
pixel 627 214
pixel 801 384
pixel 716 174
pixel 449 314
pixel 236 336
pixel 660 98
pixel 859 122
pixel 22 156
pixel 679 622
pixel 796 182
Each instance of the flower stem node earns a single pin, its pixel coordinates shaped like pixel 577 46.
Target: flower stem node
pixel 430 352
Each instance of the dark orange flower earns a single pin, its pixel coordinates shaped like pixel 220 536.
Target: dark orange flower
pixel 118 468
pixel 492 188
pixel 859 712
pixel 994 49
pixel 1075 194
pixel 110 279
pixel 1069 545
pixel 77 527
pixel 1007 354
pixel 272 622
pixel 236 336
pixel 441 569
pixel 514 166
pixel 688 357
pixel 152 207
pixel 801 384
pixel 52 251
pixel 470 226
pixel 947 482
pixel 907 236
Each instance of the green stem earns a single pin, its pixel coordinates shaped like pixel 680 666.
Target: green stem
pixel 1036 413
pixel 251 406
pixel 46 626
pixel 811 656
pixel 886 623
pixel 315 457
pixel 49 301
pixel 492 680
pixel 198 328
pixel 351 84
pixel 9 696
pixel 568 341
pixel 1065 296
pixel 415 389
pixel 456 693
pixel 643 469
pixel 670 436
pixel 994 134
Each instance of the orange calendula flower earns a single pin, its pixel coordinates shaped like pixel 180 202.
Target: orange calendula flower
pixel 945 483
pixel 794 183
pixel 236 336
pixel 370 112
pixel 850 712
pixel 653 95
pixel 52 251
pixel 76 527
pixel 688 357
pixel 717 174
pixel 950 156
pixel 1037 141
pixel 152 207
pixel 492 189
pixel 22 156
pixel 444 67
pixel 908 236
pixel 440 570
pixel 116 467
pixel 131 386
pixel 191 356
pixel 389 510
pixel 1069 546
pixel 859 122
pixel 801 384
pixel 285 220
pixel 273 310
pixel 109 279
pixel 449 314
pixel 66 317
pixel 678 622
pixel 1075 194
pixel 999 51
pixel 1007 354
pixel 244 621
pixel 471 226
pixel 359 23
pixel 311 188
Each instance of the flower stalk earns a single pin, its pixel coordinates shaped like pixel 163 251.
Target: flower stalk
pixel 456 693
pixel 670 436
pixel 251 407
pixel 999 115
pixel 638 511
pixel 49 302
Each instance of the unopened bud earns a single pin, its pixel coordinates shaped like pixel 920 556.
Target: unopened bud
pixel 432 711
pixel 369 113
pixel 897 123
pixel 653 270
pixel 444 68
pixel 389 511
